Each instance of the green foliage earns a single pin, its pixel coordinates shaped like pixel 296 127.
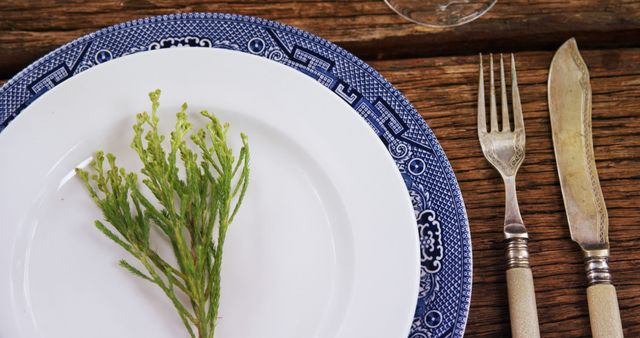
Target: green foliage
pixel 196 195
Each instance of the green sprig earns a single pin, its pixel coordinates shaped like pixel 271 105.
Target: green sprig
pixel 196 196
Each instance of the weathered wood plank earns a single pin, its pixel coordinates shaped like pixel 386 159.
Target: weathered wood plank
pixel 444 91
pixel 29 29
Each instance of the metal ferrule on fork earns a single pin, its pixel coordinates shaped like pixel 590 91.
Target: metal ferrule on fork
pixel 517 253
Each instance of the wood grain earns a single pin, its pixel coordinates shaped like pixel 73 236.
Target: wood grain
pixel 444 89
pixel 444 92
pixel 368 28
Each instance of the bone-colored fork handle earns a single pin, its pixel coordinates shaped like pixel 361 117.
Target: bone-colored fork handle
pixel 522 304
pixel 604 312
pixel 522 296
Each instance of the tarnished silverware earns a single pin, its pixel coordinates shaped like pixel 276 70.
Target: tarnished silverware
pixel 504 149
pixel 569 95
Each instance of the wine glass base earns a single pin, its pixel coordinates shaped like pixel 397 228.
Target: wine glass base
pixel 441 13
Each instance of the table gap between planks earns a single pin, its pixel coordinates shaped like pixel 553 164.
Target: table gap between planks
pixel 436 69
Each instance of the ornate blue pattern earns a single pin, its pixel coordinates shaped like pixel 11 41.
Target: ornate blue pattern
pixel 445 286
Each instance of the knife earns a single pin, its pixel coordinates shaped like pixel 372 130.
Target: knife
pixel 569 95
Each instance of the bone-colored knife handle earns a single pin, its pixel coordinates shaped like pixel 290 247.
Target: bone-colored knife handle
pixel 522 295
pixel 604 312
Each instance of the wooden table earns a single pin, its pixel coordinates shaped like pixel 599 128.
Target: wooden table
pixel 437 71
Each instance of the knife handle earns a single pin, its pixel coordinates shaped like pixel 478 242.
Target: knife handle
pixel 522 296
pixel 604 312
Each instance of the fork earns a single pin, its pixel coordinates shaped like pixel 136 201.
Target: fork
pixel 504 149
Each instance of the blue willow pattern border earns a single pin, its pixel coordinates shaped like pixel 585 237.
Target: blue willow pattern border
pixel 445 286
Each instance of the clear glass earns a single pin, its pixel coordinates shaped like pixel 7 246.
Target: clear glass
pixel 441 13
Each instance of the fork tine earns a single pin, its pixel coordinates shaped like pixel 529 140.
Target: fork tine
pixel 492 100
pixel 506 126
pixel 515 97
pixel 482 114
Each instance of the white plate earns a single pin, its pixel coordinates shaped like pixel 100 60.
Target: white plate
pixel 325 244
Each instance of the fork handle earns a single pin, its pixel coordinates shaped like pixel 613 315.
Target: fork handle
pixel 522 296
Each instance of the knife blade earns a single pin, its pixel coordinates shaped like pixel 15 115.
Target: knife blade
pixel 569 96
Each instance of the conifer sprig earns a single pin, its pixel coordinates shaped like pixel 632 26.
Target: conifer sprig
pixel 190 196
